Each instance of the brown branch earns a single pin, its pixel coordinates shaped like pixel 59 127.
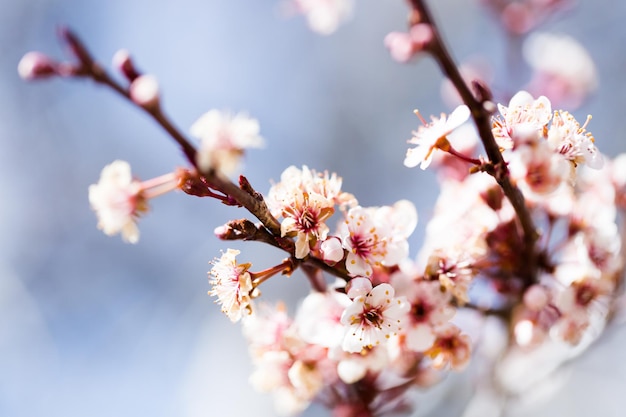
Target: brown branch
pixel 89 68
pixel 481 114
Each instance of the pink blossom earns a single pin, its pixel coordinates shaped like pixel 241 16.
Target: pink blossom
pixel 522 121
pixel 404 46
pixel 232 285
pixel 35 65
pixel 432 136
pixel 319 318
pixel 304 219
pixel 352 367
pixel 538 170
pixel 372 318
pixel 144 90
pixel 295 181
pixel 562 69
pixel 325 16
pixel 570 139
pixel 332 250
pixel 119 200
pixel 377 236
pixel 451 348
pixel 223 139
pixel 430 308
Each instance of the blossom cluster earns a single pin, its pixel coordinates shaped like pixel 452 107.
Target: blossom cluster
pixel 572 197
pixel 384 319
pixel 527 232
pixel 388 316
pixel 393 315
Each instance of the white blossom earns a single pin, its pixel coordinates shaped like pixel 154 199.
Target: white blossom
pixel 223 139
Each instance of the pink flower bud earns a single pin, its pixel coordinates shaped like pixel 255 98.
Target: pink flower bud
pixel 358 286
pixel 400 46
pixel 421 35
pixel 144 91
pixel 332 251
pixel 404 46
pixel 222 231
pixel 123 63
pixel 35 65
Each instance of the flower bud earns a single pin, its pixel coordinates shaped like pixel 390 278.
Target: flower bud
pixel 144 91
pixel 404 46
pixel 123 63
pixel 358 286
pixel 35 65
pixel 332 251
pixel 421 35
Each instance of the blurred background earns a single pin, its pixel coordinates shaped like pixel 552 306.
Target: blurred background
pixel 90 326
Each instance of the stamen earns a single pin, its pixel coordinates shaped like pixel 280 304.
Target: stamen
pixel 419 115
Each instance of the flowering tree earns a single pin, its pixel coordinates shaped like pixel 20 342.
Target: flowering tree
pixel 526 230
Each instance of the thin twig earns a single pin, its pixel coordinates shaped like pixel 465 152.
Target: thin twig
pixel 91 69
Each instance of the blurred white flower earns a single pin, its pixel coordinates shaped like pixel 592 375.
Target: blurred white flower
pixel 324 16
pixel 223 138
pixel 117 200
pixel 563 69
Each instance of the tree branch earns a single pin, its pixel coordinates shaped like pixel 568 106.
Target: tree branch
pixel 481 114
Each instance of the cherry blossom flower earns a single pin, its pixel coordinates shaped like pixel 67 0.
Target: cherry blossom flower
pixel 306 199
pixel 294 181
pixel 293 370
pixel 372 318
pixel 464 207
pixel 376 236
pixel 404 46
pixel 319 318
pixel 574 303
pixel 453 271
pixel 432 136
pixel 223 138
pixel 359 237
pixel 522 121
pixel 119 200
pixel 430 308
pixel 332 250
pixel 570 139
pixel 304 219
pixel 232 285
pixel 562 68
pixel 353 367
pixel 324 16
pixel 537 170
pixel 450 348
